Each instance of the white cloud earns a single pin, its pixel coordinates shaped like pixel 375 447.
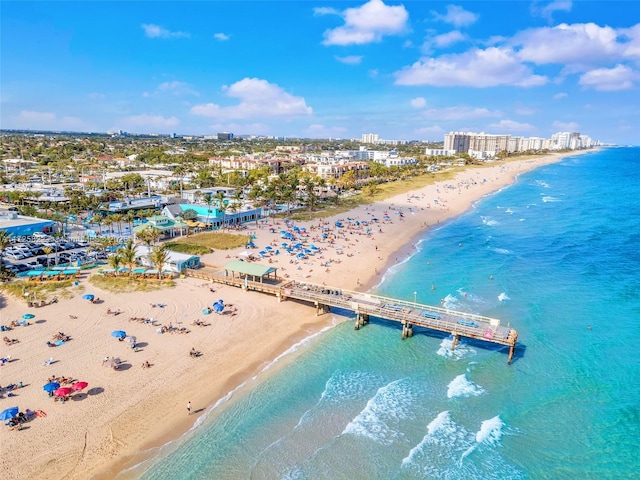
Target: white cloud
pixel 512 126
pixel 568 44
pixel 560 95
pixel 149 122
pixel 449 38
pixel 156 31
pixel 258 98
pixel 325 11
pixel 460 113
pixel 566 126
pixel 318 130
pixel 177 88
pixel 434 131
pixel 368 23
pixel 632 48
pixel 608 79
pixel 350 60
pixel 475 68
pixel 223 37
pixel 548 10
pixel 418 102
pixel 525 111
pixel 457 16
pixel 29 119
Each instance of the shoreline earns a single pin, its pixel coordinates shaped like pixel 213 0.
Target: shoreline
pixel 119 420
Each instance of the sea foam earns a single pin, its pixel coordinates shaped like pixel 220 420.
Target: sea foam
pixel 461 386
pixel 378 419
pixel 462 350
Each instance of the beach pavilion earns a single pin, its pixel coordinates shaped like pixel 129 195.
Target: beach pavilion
pixel 252 271
pixel 167 227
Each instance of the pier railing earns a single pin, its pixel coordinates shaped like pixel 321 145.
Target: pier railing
pixel 407 313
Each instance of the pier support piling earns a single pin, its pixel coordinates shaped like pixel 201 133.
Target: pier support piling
pixel 456 339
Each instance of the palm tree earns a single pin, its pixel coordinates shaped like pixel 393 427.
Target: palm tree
pixel 108 221
pixel 148 235
pixel 47 251
pixel 158 257
pixel 128 254
pixel 97 218
pixel 115 260
pixel 117 219
pixel 5 240
pixel 209 201
pixel 129 217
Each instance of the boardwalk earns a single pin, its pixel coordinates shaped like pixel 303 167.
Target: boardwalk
pixel 364 305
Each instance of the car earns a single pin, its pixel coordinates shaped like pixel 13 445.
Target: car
pixel 15 255
pixel 21 267
pixel 40 235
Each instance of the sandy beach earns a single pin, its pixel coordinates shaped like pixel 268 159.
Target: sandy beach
pixel 101 429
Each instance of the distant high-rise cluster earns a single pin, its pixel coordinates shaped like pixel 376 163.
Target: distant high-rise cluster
pixel 484 145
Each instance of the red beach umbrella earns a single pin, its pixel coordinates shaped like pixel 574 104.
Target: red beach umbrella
pixel 62 391
pixel 79 386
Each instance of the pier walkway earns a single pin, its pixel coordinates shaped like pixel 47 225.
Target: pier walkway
pixel 364 305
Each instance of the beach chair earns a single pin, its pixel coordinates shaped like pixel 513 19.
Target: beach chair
pixel 48 362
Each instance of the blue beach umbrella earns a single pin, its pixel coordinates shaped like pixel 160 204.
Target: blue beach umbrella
pixel 9 413
pixel 118 334
pixel 88 296
pixel 218 307
pixel 50 387
pixel 28 316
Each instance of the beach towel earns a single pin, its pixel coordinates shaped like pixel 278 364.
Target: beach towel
pixel 59 342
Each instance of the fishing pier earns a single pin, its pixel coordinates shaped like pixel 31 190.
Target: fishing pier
pixel 364 305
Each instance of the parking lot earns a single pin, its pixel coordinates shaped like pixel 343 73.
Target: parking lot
pixel 31 253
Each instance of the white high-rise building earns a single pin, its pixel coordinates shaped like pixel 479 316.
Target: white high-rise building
pixel 370 138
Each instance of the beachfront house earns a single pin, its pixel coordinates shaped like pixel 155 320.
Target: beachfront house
pixel 176 261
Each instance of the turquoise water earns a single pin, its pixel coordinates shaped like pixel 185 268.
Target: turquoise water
pixel 563 248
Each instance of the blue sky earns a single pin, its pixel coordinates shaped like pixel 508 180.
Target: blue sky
pixel 323 68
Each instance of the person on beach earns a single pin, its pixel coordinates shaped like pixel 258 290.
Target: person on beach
pixel 189 408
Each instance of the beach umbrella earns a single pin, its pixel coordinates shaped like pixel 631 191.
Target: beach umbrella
pixel 130 339
pixel 218 307
pixel 88 296
pixel 28 316
pixel 118 334
pixel 79 386
pixel 9 413
pixel 62 391
pixel 50 387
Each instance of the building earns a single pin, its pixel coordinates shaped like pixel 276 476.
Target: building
pixel 225 136
pixel 370 138
pixel 176 261
pixel 21 226
pixel 214 216
pixel 439 152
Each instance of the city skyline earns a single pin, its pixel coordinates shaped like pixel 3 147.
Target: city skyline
pixel 318 69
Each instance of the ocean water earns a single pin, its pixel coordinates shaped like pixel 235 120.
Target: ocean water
pixel 557 255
